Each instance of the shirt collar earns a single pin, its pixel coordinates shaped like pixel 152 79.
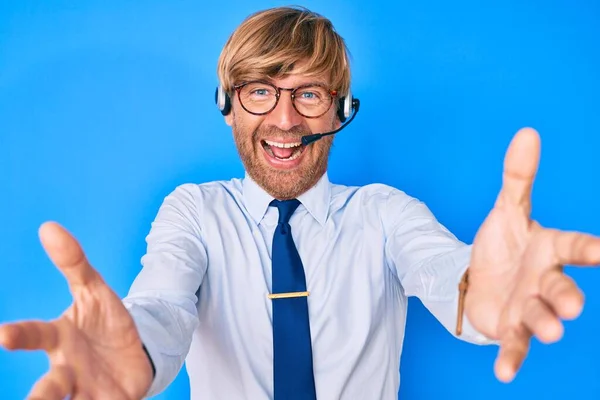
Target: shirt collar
pixel 315 200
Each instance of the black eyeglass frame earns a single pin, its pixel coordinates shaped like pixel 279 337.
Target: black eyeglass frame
pixel 332 95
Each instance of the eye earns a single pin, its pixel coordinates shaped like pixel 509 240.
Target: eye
pixel 260 92
pixel 309 95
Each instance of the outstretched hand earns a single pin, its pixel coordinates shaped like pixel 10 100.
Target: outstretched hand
pixel 94 348
pixel 517 286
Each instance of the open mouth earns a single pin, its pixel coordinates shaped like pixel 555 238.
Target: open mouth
pixel 283 151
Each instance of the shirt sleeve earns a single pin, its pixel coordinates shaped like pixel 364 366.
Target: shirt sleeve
pixel 163 297
pixel 428 260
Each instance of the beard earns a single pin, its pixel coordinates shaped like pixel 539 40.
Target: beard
pixel 279 183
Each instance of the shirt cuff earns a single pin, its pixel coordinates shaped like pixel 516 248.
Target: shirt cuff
pixel 469 333
pixel 153 355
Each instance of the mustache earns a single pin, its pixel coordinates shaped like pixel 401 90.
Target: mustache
pixel 272 131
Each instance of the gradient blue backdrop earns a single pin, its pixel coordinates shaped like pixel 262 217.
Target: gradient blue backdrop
pixel 106 106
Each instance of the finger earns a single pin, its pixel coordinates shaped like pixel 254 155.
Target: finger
pixel 562 294
pixel 29 335
pixel 574 248
pixel 520 166
pixel 540 320
pixel 56 384
pixel 514 346
pixel 66 253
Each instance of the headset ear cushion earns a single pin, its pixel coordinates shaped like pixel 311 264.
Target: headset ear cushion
pixel 345 107
pixel 341 108
pixel 222 100
pixel 227 109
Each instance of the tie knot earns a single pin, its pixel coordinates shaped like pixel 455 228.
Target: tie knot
pixel 286 209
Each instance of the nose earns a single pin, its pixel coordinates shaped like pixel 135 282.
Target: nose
pixel 284 116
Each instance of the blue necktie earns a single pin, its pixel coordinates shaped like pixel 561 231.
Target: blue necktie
pixel 292 351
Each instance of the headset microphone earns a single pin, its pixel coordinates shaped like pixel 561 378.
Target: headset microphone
pixel 308 139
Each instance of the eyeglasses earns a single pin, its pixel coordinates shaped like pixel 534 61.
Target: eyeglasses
pixel 260 98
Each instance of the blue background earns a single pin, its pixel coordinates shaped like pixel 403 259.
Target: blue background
pixel 106 106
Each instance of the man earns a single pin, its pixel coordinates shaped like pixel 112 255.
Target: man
pixel 283 285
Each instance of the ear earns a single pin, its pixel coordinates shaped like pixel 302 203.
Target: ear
pixel 338 123
pixel 229 118
pixel 336 117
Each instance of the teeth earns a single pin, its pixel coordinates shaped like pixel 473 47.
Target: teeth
pixel 283 145
pixel 294 155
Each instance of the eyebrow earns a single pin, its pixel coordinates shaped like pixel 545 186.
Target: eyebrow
pixel 308 83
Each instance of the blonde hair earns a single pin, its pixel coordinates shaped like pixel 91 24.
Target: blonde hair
pixel 271 43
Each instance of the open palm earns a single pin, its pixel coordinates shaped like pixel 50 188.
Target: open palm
pixel 517 287
pixel 94 349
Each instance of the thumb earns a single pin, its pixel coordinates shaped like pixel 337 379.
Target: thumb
pixel 520 167
pixel 68 256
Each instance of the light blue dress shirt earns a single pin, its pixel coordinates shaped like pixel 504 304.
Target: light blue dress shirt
pixel 201 296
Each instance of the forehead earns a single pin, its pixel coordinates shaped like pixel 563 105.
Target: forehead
pixel 295 80
pixel 295 76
